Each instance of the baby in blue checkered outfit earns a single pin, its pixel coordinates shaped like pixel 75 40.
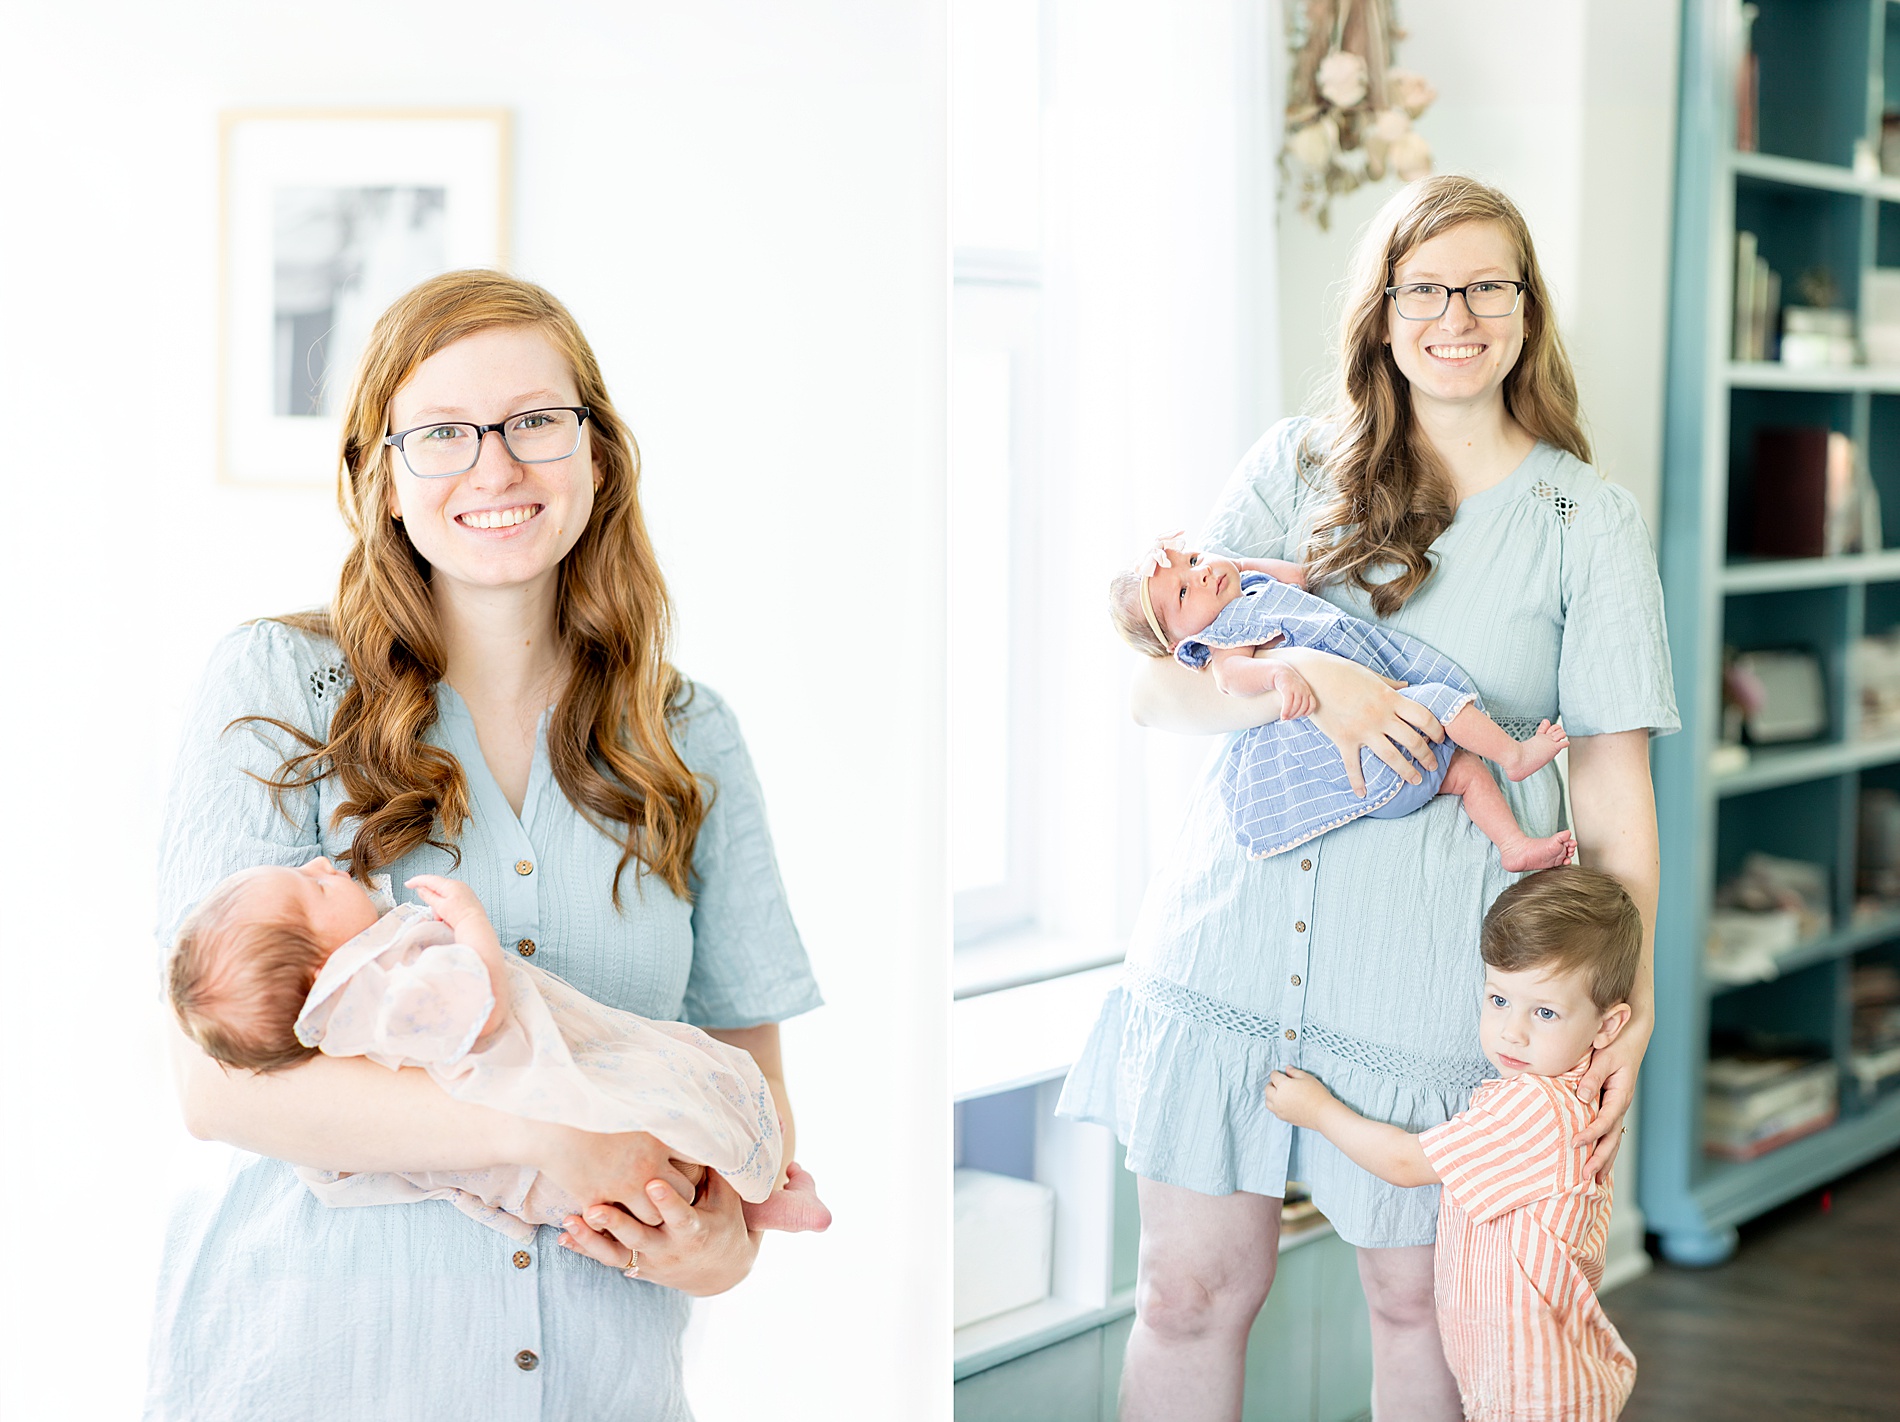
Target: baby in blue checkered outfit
pixel 1284 783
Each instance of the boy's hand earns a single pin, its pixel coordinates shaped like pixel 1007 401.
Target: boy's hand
pixel 453 901
pixel 1296 695
pixel 1296 1098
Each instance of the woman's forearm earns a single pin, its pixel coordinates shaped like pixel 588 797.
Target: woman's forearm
pixel 1615 809
pixel 1165 696
pixel 346 1114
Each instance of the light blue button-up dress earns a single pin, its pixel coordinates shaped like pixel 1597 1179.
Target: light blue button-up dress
pixel 1355 956
pixel 271 1305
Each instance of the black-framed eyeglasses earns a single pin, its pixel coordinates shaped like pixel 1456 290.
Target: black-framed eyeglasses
pixel 445 447
pixel 1427 300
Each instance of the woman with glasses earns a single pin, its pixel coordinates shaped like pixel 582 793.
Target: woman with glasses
pixel 488 696
pixel 1447 494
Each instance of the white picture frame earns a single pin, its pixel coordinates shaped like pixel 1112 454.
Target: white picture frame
pixel 327 216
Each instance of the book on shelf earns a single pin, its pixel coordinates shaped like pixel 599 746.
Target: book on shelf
pixel 1758 1104
pixel 1747 85
pixel 1812 495
pixel 1757 300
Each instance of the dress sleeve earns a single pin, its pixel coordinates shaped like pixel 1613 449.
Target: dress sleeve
pixel 749 965
pixel 1613 670
pixel 1504 1152
pixel 1256 515
pixel 218 819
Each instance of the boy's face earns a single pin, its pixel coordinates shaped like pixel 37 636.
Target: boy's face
pixel 1542 1022
pixel 334 905
pixel 1190 594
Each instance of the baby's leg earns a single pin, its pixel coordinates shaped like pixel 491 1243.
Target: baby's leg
pixel 1467 778
pixel 1475 731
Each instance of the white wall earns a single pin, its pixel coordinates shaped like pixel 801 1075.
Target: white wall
pixel 1570 107
pixel 742 202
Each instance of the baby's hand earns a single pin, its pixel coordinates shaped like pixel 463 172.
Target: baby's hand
pixel 453 901
pixel 1296 695
pixel 1296 1098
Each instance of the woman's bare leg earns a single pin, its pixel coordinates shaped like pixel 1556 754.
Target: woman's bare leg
pixel 1410 1382
pixel 1467 778
pixel 1206 1265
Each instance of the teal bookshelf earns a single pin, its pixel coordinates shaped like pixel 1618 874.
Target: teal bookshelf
pixel 1825 67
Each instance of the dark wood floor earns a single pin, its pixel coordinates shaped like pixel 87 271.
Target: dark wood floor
pixel 1803 1324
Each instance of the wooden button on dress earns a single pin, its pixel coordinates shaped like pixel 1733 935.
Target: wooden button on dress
pixel 524 866
pixel 1296 980
pixel 522 1259
pixel 526 1361
pixel 1299 925
pixel 1306 864
pixel 1291 1035
pixel 525 947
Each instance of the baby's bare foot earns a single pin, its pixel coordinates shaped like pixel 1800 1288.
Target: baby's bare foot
pixel 1539 751
pixel 1549 853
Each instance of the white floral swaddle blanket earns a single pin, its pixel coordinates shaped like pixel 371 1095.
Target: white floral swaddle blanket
pixel 405 993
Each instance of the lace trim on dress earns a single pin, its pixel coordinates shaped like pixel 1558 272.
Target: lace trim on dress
pixel 1414 1068
pixel 1565 506
pixel 326 682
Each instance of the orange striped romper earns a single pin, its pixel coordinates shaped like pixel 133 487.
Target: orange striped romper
pixel 1520 1252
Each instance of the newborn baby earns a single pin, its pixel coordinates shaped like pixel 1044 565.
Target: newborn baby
pixel 275 964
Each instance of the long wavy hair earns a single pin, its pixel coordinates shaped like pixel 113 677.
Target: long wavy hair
pixel 1392 496
pixel 607 740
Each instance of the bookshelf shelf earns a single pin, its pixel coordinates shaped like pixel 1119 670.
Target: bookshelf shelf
pixel 1824 949
pixel 1789 767
pixel 1766 575
pixel 1772 375
pixel 1824 69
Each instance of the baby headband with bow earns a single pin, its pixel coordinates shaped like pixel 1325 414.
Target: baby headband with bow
pixel 1150 563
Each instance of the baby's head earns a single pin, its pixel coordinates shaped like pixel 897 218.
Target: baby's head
pixel 1154 611
pixel 1561 950
pixel 247 955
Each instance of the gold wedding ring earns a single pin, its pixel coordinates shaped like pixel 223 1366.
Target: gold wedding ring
pixel 631 1269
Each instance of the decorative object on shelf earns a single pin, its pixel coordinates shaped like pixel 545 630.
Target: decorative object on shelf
pixel 1757 301
pixel 1875 1055
pixel 1004 1244
pixel 1818 333
pixel 1876 667
pixel 1781 695
pixel 1818 338
pixel 329 215
pixel 1877 862
pixel 1747 84
pixel 1349 112
pixel 1890 143
pixel 1756 1104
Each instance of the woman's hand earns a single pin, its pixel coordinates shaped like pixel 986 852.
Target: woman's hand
pixel 1359 709
pixel 1610 1086
pixel 698 1249
pixel 624 1167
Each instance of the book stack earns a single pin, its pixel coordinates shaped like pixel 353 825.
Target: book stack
pixel 1757 300
pixel 1880 287
pixel 1875 1058
pixel 1812 496
pixel 1758 1104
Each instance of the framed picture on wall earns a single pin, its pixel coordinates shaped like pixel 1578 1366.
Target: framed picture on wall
pixel 328 216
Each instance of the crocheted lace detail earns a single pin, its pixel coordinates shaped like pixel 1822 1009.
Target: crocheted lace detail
pixel 327 683
pixel 1517 730
pixel 1414 1068
pixel 1565 506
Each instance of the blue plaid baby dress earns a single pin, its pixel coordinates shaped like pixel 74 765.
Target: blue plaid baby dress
pixel 1284 783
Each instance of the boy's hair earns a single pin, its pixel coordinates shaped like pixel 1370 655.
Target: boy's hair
pixel 1124 610
pixel 238 979
pixel 1568 920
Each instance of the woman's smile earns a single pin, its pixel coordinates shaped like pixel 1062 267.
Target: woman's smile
pixel 499 521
